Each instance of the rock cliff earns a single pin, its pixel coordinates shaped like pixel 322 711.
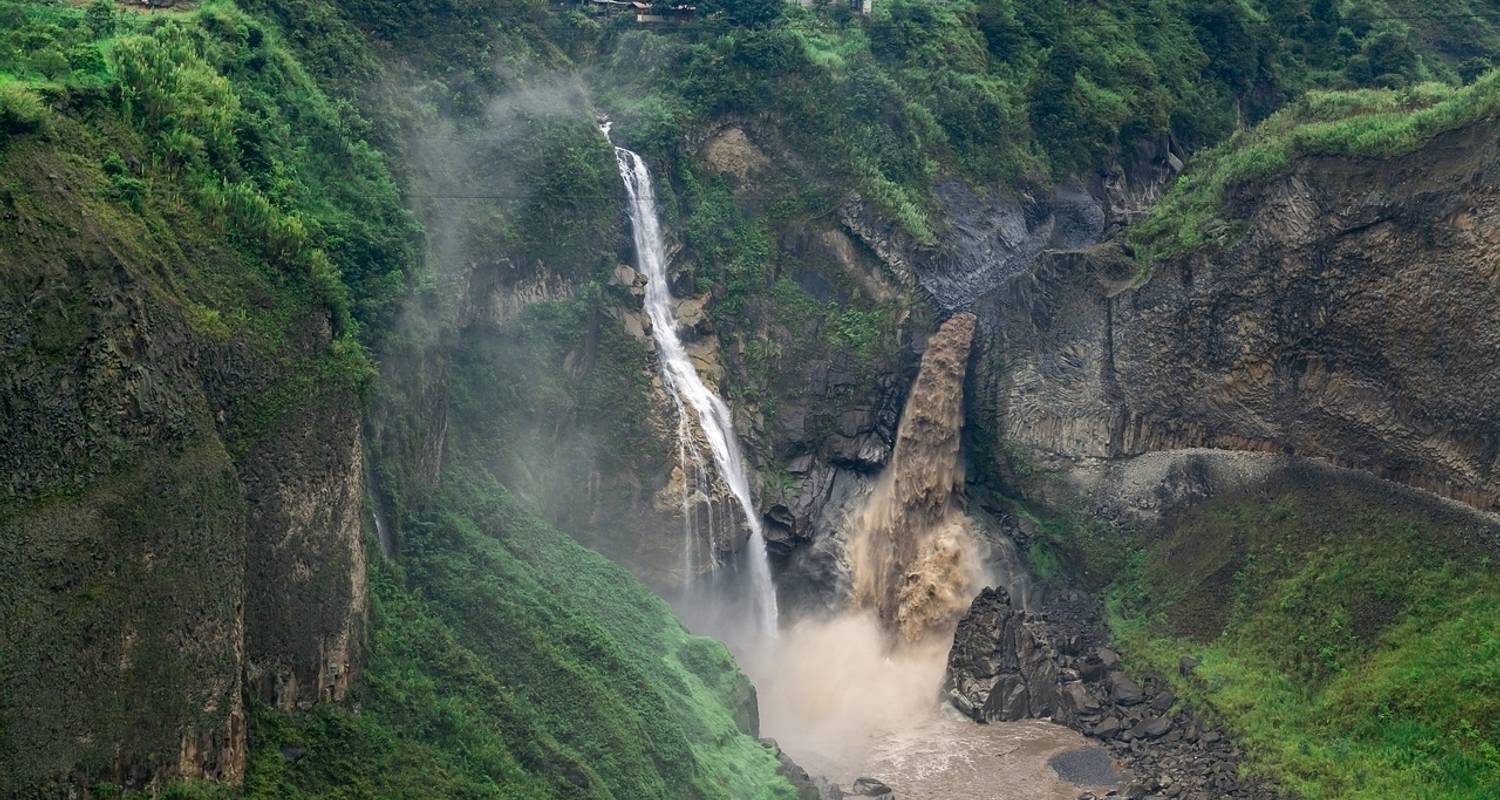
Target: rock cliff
pixel 1353 321
pixel 181 517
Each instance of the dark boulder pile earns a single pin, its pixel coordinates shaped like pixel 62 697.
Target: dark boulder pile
pixel 1008 665
pixel 1167 751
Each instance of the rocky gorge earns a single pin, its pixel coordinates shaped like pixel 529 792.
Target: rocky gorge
pixel 933 401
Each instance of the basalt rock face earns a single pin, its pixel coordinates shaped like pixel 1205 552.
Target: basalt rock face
pixel 306 602
pixel 1001 667
pixel 1353 322
pixel 989 238
pixel 166 534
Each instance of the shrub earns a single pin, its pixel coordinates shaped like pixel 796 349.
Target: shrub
pixel 21 110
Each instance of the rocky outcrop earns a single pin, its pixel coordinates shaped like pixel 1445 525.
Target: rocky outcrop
pixel 1000 667
pixel 500 294
pixel 1168 751
pixel 1352 322
pixel 306 598
pixel 731 152
pixel 988 238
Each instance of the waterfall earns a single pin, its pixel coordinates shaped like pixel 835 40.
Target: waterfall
pixel 913 554
pixel 687 388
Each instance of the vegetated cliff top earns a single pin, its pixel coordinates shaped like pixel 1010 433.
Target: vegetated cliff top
pixel 1010 93
pixel 1366 123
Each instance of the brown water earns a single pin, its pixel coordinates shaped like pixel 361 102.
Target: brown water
pixel 857 695
pixel 952 759
pixel 913 556
pixel 845 706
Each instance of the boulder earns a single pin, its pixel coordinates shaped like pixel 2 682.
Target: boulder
pixel 1076 698
pixel 1099 664
pixel 1123 690
pixel 869 787
pixel 1152 728
pixel 1108 728
pixel 1000 668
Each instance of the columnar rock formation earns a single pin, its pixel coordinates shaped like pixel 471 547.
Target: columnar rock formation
pixel 1353 321
pixel 912 551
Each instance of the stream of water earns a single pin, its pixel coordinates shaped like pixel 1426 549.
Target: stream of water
pixel 841 699
pixel 688 391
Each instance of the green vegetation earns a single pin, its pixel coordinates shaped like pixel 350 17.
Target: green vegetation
pixel 1369 123
pixel 192 210
pixel 1011 92
pixel 511 662
pixel 1347 637
pixel 223 117
pixel 558 396
pixel 496 670
pixel 211 223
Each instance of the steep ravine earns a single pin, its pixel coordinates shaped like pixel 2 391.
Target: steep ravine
pixel 336 456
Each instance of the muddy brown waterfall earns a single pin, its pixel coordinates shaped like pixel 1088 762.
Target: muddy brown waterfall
pixel 912 552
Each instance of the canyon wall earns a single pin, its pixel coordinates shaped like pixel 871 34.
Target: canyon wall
pixel 181 516
pixel 1353 321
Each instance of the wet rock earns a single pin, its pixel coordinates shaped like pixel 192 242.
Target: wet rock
pixel 1108 728
pixel 1099 663
pixel 628 279
pixel 806 786
pixel 1000 668
pixel 1075 696
pixel 1161 755
pixel 689 311
pixel 1087 766
pixel 870 787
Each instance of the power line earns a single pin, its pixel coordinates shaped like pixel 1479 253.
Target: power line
pixel 1491 15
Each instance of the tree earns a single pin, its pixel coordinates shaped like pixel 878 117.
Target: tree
pixel 1231 38
pixel 100 18
pixel 747 13
pixel 1055 115
pixel 1392 59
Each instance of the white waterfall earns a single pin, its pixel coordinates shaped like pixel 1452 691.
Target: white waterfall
pixel 687 388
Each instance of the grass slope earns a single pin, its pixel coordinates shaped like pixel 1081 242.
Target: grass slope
pixel 1347 635
pixel 1368 123
pixel 511 662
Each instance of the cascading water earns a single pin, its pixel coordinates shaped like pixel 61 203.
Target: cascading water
pixel 913 552
pixel 687 388
pixel 856 693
